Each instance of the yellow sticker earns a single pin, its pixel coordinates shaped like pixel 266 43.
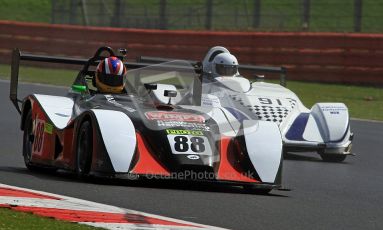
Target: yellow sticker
pixel 48 128
pixel 184 132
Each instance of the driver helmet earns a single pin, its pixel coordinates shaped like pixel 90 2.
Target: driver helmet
pixel 225 64
pixel 110 75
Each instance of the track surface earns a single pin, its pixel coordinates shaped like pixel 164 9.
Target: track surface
pixel 345 195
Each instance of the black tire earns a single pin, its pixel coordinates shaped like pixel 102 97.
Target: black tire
pixel 333 157
pixel 258 191
pixel 28 139
pixel 84 149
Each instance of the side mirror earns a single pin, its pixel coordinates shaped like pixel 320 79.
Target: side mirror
pixel 150 86
pixel 170 94
pixel 123 51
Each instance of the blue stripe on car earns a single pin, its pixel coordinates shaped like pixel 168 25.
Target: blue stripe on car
pixel 237 114
pixel 296 130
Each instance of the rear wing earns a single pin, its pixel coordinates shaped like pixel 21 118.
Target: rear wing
pixel 18 56
pixel 257 69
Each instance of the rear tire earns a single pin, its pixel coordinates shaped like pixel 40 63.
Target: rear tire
pixel 333 157
pixel 84 149
pixel 28 140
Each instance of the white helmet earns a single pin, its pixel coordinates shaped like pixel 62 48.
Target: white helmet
pixel 225 64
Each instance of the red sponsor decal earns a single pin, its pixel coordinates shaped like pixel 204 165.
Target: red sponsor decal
pixel 174 116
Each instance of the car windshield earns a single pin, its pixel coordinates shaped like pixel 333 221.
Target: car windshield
pixel 171 80
pixel 179 77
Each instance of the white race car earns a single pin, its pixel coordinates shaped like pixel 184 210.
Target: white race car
pixel 325 128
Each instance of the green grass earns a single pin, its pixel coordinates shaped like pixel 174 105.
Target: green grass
pixel 26 10
pixel 41 75
pixel 12 220
pixel 363 102
pixel 276 15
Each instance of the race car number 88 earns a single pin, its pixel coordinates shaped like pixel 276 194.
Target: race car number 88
pixel 188 144
pixel 181 144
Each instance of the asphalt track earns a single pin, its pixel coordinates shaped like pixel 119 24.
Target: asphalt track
pixel 345 195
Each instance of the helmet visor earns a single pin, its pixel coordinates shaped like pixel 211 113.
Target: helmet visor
pixel 111 79
pixel 226 70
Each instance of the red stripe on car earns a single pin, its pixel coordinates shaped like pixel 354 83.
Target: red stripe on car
pixel 147 164
pixel 226 170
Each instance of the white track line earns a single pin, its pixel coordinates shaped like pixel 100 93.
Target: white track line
pixel 74 204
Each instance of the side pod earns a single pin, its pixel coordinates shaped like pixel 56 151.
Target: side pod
pixel 119 137
pixel 332 119
pixel 264 146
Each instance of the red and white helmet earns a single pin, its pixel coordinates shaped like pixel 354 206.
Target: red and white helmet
pixel 110 75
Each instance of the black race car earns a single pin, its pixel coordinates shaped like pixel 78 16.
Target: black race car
pixel 157 129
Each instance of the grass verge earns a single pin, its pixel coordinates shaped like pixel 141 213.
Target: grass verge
pixel 10 219
pixel 363 102
pixel 275 15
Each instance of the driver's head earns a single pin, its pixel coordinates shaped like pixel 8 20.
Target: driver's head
pixel 225 64
pixel 110 75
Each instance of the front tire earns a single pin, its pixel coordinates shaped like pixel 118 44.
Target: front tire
pixel 84 149
pixel 258 191
pixel 333 157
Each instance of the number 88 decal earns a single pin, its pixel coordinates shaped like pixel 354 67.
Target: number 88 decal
pixel 181 144
pixel 186 144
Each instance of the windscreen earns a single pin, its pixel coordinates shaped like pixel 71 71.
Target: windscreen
pixel 151 82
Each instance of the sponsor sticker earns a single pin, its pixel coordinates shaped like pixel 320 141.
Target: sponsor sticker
pixel 210 100
pixel 185 132
pixel 193 157
pixel 48 128
pixel 333 108
pixel 188 125
pixel 174 116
